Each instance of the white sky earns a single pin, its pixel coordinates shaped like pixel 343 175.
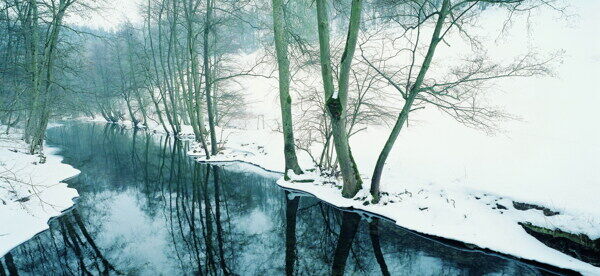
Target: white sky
pixel 113 12
pixel 563 105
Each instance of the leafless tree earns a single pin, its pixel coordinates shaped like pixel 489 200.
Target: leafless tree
pixel 408 38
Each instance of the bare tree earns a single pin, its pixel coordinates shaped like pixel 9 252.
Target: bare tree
pixel 457 92
pixel 281 45
pixel 336 100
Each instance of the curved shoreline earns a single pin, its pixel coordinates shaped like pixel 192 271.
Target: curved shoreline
pixel 63 197
pixel 450 242
pixel 563 263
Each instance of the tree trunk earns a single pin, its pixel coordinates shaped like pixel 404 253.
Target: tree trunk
pixel 157 75
pixel 194 98
pixel 125 89
pixel 387 148
pixel 208 79
pixel 42 109
pixel 33 40
pixel 171 82
pixel 412 94
pixel 167 89
pixel 336 102
pixel 135 83
pixel 283 63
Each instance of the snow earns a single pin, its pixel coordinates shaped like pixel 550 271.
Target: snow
pixel 32 193
pixel 447 180
pixel 451 211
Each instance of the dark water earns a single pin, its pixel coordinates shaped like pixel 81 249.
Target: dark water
pixel 146 208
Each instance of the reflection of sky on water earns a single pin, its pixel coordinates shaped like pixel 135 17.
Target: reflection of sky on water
pixel 142 239
pixel 149 209
pixel 257 222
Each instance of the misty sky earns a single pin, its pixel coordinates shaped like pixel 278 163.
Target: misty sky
pixel 562 108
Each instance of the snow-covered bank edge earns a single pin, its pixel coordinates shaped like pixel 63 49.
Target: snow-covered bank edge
pixel 37 195
pixel 472 217
pixel 249 167
pixel 455 244
pixel 533 253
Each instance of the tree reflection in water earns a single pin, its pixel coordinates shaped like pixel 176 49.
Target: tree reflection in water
pixel 147 208
pixel 291 212
pixel 348 230
pixel 374 235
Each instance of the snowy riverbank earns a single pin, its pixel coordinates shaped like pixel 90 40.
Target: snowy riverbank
pixel 486 216
pixel 428 192
pixel 30 192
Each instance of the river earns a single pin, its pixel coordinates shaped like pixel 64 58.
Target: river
pixel 145 208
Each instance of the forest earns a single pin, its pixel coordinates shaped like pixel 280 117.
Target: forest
pixel 182 67
pixel 330 94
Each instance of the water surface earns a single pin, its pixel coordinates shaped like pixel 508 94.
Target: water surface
pixel 146 208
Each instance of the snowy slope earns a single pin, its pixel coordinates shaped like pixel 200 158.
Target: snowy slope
pixel 30 193
pixel 449 209
pixel 448 180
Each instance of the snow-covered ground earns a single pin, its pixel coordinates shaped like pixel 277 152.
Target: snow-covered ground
pixel 451 181
pixel 451 209
pixel 30 192
pixel 454 182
